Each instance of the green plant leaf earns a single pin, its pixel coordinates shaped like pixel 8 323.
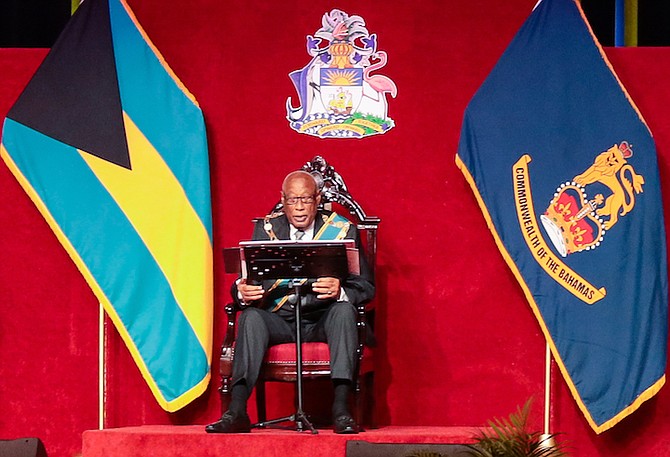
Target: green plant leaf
pixel 509 437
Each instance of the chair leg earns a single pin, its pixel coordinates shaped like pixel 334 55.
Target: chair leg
pixel 224 393
pixel 369 394
pixel 260 401
pixel 358 403
pixel 365 401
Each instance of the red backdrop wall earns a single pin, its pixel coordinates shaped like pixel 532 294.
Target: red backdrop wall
pixel 459 344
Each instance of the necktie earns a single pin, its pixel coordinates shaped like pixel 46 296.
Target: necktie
pixel 292 299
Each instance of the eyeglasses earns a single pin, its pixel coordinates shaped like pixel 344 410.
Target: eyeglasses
pixel 305 200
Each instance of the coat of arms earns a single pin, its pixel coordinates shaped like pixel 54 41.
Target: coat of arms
pixel 339 97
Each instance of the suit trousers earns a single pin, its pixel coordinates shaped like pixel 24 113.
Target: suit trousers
pixel 257 329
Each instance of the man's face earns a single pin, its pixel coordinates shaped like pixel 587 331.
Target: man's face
pixel 300 214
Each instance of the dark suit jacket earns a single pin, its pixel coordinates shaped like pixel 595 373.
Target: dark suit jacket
pixel 359 288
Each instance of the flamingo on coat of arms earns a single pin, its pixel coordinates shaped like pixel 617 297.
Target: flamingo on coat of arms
pixel 380 83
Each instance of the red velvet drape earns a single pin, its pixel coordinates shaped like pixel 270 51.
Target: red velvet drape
pixel 459 344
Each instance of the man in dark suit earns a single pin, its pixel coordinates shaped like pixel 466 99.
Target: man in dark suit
pixel 328 308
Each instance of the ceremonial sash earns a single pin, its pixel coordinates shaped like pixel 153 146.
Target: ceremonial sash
pixel 335 227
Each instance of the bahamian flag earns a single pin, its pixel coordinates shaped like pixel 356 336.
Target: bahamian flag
pixel 111 147
pixel 564 169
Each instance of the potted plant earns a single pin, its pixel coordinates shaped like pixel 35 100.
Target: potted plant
pixel 509 437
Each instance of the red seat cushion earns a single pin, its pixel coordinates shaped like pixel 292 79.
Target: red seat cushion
pixel 312 354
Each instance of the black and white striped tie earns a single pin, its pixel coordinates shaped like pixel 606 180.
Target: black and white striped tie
pixel 298 236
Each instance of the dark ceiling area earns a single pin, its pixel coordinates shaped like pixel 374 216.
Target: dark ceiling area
pixel 32 23
pixel 653 21
pixel 37 23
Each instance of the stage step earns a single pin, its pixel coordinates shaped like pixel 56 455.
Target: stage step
pixel 192 441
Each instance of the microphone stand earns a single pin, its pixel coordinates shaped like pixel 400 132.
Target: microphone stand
pixel 296 260
pixel 299 417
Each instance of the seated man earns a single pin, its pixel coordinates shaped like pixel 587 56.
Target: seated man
pixel 328 309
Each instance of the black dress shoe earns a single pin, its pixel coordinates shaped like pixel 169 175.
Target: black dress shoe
pixel 230 423
pixel 345 424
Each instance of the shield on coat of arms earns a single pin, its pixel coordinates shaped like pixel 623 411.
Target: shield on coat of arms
pixel 341 89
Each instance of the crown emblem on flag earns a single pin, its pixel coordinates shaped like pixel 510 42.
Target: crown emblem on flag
pixel 571 220
pixel 626 149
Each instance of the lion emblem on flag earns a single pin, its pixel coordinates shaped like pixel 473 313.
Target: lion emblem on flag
pixel 576 223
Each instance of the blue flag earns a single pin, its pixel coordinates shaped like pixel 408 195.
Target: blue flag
pixel 564 168
pixel 116 161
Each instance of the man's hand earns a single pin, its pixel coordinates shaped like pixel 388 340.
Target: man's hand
pixel 248 292
pixel 327 288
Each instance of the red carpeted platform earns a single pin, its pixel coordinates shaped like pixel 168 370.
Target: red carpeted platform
pixel 192 441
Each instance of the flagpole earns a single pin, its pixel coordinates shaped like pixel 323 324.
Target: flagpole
pixel 102 372
pixel 547 388
pixel 546 440
pixel 619 23
pixel 631 22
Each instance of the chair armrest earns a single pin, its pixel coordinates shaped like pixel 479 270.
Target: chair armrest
pixel 231 310
pixel 227 354
pixel 364 315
